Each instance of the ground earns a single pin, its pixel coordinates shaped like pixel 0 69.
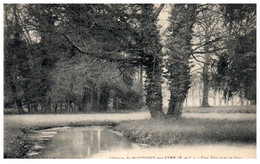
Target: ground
pixel 216 124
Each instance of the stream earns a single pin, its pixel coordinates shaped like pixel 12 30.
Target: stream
pixel 101 142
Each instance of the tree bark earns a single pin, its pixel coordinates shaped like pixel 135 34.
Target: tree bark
pixel 205 74
pixel 48 105
pixel 19 105
pixel 28 107
pixel 115 102
pixel 67 106
pixel 86 100
pixel 141 86
pixel 154 89
pixel 95 100
pixel 104 99
pixel 60 106
pixel 175 107
pixel 205 96
pixel 55 107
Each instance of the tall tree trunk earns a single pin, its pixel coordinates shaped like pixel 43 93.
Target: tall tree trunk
pixel 141 100
pixel 19 105
pixel 55 107
pixel 205 92
pixel 205 73
pixel 80 109
pixel 175 106
pixel 67 105
pixel 60 106
pixel 34 107
pixel 104 99
pixel 48 105
pixel 154 89
pixel 172 105
pixel 86 100
pixel 17 99
pixel 115 102
pixel 95 100
pixel 29 107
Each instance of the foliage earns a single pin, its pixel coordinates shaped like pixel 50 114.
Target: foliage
pixel 70 76
pixel 79 58
pixel 236 71
pixel 178 54
pixel 16 56
pixel 207 43
pixel 151 55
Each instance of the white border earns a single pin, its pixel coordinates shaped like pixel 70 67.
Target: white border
pixel 116 161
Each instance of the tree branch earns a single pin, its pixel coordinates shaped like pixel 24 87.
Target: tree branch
pixel 207 43
pixel 134 61
pixel 208 52
pixel 157 12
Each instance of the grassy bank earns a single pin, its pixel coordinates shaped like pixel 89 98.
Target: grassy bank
pixel 189 131
pixel 15 145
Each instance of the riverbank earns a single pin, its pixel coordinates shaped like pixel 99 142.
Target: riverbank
pixel 192 128
pixel 17 128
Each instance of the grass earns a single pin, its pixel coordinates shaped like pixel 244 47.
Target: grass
pixel 221 109
pixel 15 145
pixel 189 131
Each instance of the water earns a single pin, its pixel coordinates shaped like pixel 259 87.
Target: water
pixel 100 142
pixel 77 142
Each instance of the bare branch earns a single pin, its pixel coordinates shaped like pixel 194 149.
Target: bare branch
pixel 134 61
pixel 157 12
pixel 207 43
pixel 198 59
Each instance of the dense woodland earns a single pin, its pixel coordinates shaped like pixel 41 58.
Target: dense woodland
pixel 85 58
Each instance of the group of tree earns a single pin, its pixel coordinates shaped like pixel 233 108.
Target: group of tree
pixel 225 37
pixel 83 57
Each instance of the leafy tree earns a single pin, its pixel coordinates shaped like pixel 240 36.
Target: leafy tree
pixel 182 19
pixel 208 42
pixel 91 84
pixel 236 72
pixel 146 41
pixel 16 65
pixel 131 29
pixel 123 35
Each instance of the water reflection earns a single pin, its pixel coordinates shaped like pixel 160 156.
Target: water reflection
pixel 83 142
pixel 97 142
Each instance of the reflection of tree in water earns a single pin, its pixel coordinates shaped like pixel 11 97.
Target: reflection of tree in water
pixel 83 143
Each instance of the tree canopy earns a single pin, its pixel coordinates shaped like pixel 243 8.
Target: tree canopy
pixel 85 57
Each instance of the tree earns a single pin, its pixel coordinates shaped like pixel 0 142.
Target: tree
pixel 137 35
pixel 236 68
pixel 16 66
pixel 182 19
pixel 147 41
pixel 207 36
pixel 91 84
pixel 123 35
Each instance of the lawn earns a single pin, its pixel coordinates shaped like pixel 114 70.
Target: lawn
pixel 221 109
pixel 189 131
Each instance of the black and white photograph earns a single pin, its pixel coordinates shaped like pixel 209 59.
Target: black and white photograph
pixel 129 80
